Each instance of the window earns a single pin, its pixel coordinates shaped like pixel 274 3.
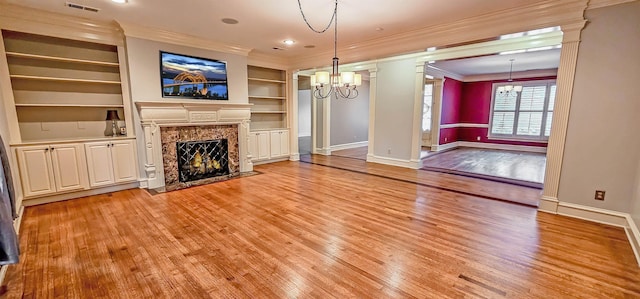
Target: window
pixel 426 108
pixel 523 115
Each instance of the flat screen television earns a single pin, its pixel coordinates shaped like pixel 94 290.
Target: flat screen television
pixel 191 77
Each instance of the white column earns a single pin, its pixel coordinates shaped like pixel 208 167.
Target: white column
pixel 416 140
pixel 564 90
pixel 436 115
pixel 293 112
pixel 243 147
pixel 372 111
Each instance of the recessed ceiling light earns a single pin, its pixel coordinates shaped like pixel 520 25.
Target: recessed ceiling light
pixel 379 29
pixel 230 21
pixel 119 1
pixel 289 42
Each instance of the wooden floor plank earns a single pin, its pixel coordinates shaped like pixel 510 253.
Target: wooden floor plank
pixel 300 230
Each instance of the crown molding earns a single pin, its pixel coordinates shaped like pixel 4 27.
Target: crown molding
pixel 35 21
pixel 514 75
pixel 440 73
pixel 537 15
pixel 593 4
pixel 266 60
pixel 159 35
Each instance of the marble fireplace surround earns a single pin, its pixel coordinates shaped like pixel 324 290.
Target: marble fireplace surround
pixel 154 116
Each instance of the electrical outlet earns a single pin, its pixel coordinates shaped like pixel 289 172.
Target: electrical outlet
pixel 599 195
pixel 478 138
pixel 389 151
pixel 445 139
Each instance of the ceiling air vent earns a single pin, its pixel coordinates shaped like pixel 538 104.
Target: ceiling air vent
pixel 81 7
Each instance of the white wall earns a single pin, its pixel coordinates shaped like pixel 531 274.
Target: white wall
pixel 304 113
pixel 635 209
pixel 602 148
pixel 394 109
pixel 4 132
pixel 143 57
pixel 350 118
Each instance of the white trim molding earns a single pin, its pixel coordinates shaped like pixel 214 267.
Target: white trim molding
pixel 486 145
pixel 548 204
pixel 345 146
pixel 633 233
pixel 464 125
pixel 608 217
pixel 159 35
pixel 322 151
pixel 394 162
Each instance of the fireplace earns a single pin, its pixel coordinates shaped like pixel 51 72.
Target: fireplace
pixel 202 159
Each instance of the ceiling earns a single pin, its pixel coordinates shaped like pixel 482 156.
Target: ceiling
pixel 494 64
pixel 263 25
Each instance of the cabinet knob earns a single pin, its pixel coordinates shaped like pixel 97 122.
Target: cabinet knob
pixel 46 149
pixel 52 148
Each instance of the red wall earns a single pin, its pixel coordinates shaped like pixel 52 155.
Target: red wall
pixel 470 102
pixel 451 107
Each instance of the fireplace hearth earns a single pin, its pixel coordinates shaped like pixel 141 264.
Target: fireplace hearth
pixel 202 159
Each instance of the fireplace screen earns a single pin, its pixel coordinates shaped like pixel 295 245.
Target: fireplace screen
pixel 202 159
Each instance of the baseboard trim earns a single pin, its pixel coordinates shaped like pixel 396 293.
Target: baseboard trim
pixel 294 157
pixel 270 161
pixel 548 205
pixel 444 147
pixel 394 162
pixel 322 151
pixel 144 183
pixel 349 145
pixel 507 147
pixel 593 214
pixel 633 233
pixel 67 196
pixel 608 217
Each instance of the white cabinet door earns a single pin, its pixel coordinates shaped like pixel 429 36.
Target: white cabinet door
pixel 284 142
pixel 275 145
pixel 263 145
pixel 69 167
pixel 36 172
pixel 253 145
pixel 259 145
pixel 123 156
pixel 279 143
pixel 99 163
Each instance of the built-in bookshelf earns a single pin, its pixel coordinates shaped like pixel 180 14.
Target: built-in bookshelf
pixel 268 94
pixel 62 88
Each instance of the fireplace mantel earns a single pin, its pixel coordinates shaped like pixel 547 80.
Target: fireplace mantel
pixel 156 114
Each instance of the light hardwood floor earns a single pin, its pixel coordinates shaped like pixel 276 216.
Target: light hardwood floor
pixel 300 230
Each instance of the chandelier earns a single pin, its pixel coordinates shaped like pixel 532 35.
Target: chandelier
pixel 341 84
pixel 509 88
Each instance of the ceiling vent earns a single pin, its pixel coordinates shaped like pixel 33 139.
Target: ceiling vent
pixel 81 7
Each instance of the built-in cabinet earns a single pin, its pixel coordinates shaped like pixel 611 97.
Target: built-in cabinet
pixel 268 94
pixel 59 90
pixel 271 144
pixel 111 162
pixel 269 138
pixel 49 169
pixel 62 88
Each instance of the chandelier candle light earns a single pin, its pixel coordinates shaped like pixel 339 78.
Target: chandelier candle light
pixel 341 84
pixel 506 89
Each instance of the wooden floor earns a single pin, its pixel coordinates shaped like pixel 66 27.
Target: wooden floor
pixel 361 153
pixel 446 182
pixel 300 230
pixel 516 167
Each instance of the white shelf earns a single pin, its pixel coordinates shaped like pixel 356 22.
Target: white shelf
pixel 267 80
pixel 63 79
pixel 71 105
pixel 267 97
pixel 269 112
pixel 62 59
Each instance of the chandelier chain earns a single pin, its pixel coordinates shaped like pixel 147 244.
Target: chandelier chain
pixel 335 12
